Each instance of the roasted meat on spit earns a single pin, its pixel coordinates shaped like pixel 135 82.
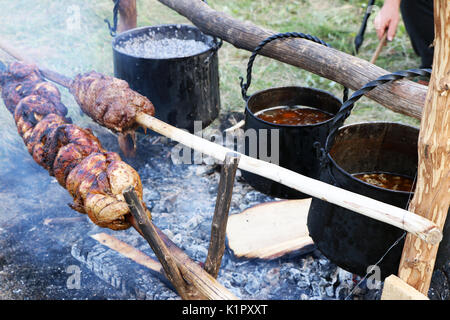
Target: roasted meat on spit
pixel 94 177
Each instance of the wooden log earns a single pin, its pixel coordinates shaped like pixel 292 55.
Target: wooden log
pixel 270 230
pixel 395 216
pixel 402 96
pixel 195 275
pixel 220 218
pixel 142 223
pixel 396 289
pixel 431 198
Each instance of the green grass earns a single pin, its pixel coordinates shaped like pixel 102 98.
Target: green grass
pixel 43 30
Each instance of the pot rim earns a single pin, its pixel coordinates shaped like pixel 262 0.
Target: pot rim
pixel 131 31
pixel 340 169
pixel 247 109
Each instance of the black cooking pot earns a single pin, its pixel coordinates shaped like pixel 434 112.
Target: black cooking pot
pixel 295 142
pixel 182 89
pixel 350 240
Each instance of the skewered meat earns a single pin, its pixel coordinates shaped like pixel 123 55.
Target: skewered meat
pixel 94 177
pixel 110 101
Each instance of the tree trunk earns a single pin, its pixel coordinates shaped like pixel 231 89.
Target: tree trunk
pixel 403 96
pixel 431 199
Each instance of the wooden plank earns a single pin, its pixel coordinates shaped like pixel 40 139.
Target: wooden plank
pixel 431 198
pixel 397 289
pixel 402 96
pixel 270 230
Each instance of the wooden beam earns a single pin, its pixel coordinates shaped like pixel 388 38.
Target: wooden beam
pixel 431 198
pixel 402 96
pixel 396 289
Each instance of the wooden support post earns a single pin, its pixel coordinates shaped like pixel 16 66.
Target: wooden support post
pixel 220 218
pixel 402 96
pixel 128 15
pixel 197 283
pixel 431 198
pixel 142 221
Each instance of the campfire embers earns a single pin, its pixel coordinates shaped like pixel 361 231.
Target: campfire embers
pixel 94 177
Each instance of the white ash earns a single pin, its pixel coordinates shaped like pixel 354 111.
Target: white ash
pixel 146 46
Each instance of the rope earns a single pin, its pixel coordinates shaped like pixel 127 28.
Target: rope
pixel 244 87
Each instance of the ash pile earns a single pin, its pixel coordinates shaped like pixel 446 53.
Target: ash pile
pixel 48 252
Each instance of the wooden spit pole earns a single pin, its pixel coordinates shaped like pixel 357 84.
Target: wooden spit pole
pixel 371 208
pixel 402 96
pixel 378 210
pixel 432 196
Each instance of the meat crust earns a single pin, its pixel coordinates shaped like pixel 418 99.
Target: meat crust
pixel 94 177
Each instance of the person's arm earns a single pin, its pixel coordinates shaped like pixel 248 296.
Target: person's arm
pixel 388 18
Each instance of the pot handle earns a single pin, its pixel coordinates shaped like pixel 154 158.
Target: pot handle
pixel 347 106
pixel 245 86
pixel 113 29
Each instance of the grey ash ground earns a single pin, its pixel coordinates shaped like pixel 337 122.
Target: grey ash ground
pixel 35 257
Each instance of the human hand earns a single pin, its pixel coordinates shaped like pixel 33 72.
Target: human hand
pixel 388 18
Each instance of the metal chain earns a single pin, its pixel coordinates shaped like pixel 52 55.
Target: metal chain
pixel 347 106
pixel 244 87
pixel 113 29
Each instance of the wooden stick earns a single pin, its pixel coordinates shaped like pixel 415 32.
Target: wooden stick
pixel 49 74
pixel 403 96
pixel 220 218
pixel 200 285
pixel 143 223
pixel 395 216
pixel 380 46
pixel 195 275
pixel 431 198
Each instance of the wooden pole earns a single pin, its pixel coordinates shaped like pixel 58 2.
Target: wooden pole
pixel 432 195
pixel 402 96
pixel 220 218
pixel 195 282
pixel 366 206
pixel 128 15
pixel 142 223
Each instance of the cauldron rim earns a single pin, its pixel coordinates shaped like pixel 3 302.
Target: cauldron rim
pixel 344 172
pixel 276 125
pixel 138 29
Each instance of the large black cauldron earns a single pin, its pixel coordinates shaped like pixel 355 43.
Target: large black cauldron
pixel 295 142
pixel 353 241
pixel 184 89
